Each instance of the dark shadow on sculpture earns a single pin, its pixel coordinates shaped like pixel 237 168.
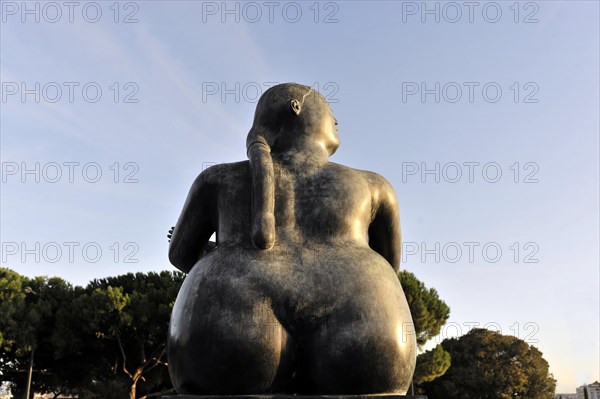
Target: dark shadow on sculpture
pixel 300 293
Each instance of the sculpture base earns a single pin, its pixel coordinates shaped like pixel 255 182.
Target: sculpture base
pixel 286 396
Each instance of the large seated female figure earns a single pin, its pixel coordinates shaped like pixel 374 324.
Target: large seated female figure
pixel 300 294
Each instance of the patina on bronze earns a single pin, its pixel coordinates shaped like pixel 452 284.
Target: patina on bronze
pixel 300 294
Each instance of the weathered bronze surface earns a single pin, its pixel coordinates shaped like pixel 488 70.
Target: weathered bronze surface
pixel 300 294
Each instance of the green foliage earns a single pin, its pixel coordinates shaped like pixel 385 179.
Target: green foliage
pixel 429 314
pixel 130 315
pixel 12 298
pixel 431 365
pixel 27 318
pixel 106 340
pixel 486 364
pixel 428 311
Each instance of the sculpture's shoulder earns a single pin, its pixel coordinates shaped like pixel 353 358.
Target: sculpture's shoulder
pixel 374 180
pixel 344 170
pixel 223 173
pixel 378 182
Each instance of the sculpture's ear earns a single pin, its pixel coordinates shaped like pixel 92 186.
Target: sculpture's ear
pixel 296 106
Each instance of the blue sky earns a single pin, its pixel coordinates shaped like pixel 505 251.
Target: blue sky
pixel 161 118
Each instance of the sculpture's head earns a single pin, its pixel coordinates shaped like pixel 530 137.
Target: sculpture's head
pixel 289 118
pixel 295 117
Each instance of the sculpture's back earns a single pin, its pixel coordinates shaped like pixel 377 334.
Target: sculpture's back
pixel 300 294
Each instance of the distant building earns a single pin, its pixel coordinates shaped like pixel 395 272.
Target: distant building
pixel 586 391
pixel 591 391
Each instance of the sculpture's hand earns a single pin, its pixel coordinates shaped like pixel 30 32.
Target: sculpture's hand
pixel 170 233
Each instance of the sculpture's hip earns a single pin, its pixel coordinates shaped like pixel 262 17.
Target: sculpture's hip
pixel 310 320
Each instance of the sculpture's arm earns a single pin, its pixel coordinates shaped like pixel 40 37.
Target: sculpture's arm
pixel 194 227
pixel 384 230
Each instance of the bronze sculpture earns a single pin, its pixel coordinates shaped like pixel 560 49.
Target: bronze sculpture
pixel 300 293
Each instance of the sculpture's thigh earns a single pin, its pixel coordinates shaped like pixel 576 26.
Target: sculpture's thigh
pixel 224 339
pixel 366 346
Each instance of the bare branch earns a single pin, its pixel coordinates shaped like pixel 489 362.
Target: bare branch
pixel 124 357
